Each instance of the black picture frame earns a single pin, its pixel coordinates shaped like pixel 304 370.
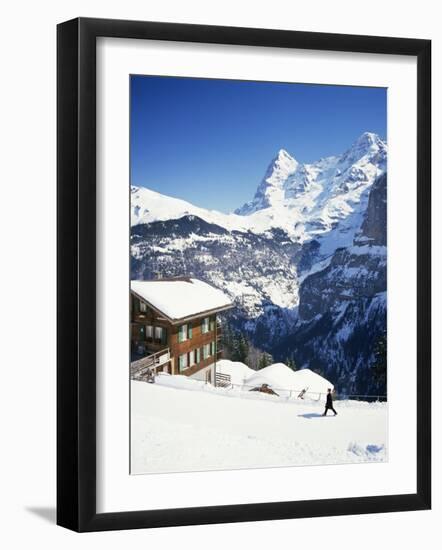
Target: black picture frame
pixel 76 274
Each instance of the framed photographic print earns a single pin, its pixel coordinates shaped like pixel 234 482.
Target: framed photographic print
pixel 243 274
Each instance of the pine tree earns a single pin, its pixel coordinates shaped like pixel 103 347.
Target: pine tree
pixel 290 362
pixel 227 341
pixel 230 342
pixel 234 346
pixel 265 360
pixel 239 347
pixel 380 363
pixel 253 357
pixel 243 348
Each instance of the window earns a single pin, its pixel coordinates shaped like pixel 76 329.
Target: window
pixel 212 323
pixel 185 333
pixel 149 331
pixel 205 325
pixel 206 351
pixel 182 333
pixel 197 355
pixel 191 358
pixel 143 307
pixel 182 362
pixel 212 348
pixel 161 335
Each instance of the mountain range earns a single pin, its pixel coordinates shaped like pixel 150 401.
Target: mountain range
pixel 304 260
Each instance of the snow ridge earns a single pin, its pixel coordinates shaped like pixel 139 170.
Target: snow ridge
pixel 325 200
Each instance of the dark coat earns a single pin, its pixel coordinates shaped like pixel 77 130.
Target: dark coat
pixel 329 402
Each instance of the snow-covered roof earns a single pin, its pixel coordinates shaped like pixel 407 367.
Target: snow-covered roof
pixel 178 299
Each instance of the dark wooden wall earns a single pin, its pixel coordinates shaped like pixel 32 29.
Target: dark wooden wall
pixel 198 340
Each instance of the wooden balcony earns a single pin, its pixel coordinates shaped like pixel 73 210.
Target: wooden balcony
pixel 153 362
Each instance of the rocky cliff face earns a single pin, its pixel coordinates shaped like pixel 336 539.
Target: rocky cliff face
pixel 374 227
pixel 342 308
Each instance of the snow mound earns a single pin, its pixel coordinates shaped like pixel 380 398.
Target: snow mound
pixel 237 371
pixel 312 382
pixel 277 375
pixel 280 376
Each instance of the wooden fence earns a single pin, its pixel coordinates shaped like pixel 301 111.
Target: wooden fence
pixel 222 380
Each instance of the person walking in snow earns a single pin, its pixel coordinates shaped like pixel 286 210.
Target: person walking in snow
pixel 329 403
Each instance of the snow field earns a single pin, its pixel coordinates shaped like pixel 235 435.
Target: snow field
pixel 179 425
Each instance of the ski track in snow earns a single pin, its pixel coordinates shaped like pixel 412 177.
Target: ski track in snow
pixel 176 429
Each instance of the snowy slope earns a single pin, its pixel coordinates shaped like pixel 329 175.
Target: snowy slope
pixel 149 206
pixel 170 432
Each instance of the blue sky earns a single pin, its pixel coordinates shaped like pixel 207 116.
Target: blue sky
pixel 210 141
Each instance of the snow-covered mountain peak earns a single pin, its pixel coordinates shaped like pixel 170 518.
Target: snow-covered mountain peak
pixel 281 167
pixel 271 189
pixel 369 139
pixel 291 183
pixel 284 157
pixel 367 145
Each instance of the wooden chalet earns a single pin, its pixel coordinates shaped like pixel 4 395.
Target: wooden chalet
pixel 175 327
